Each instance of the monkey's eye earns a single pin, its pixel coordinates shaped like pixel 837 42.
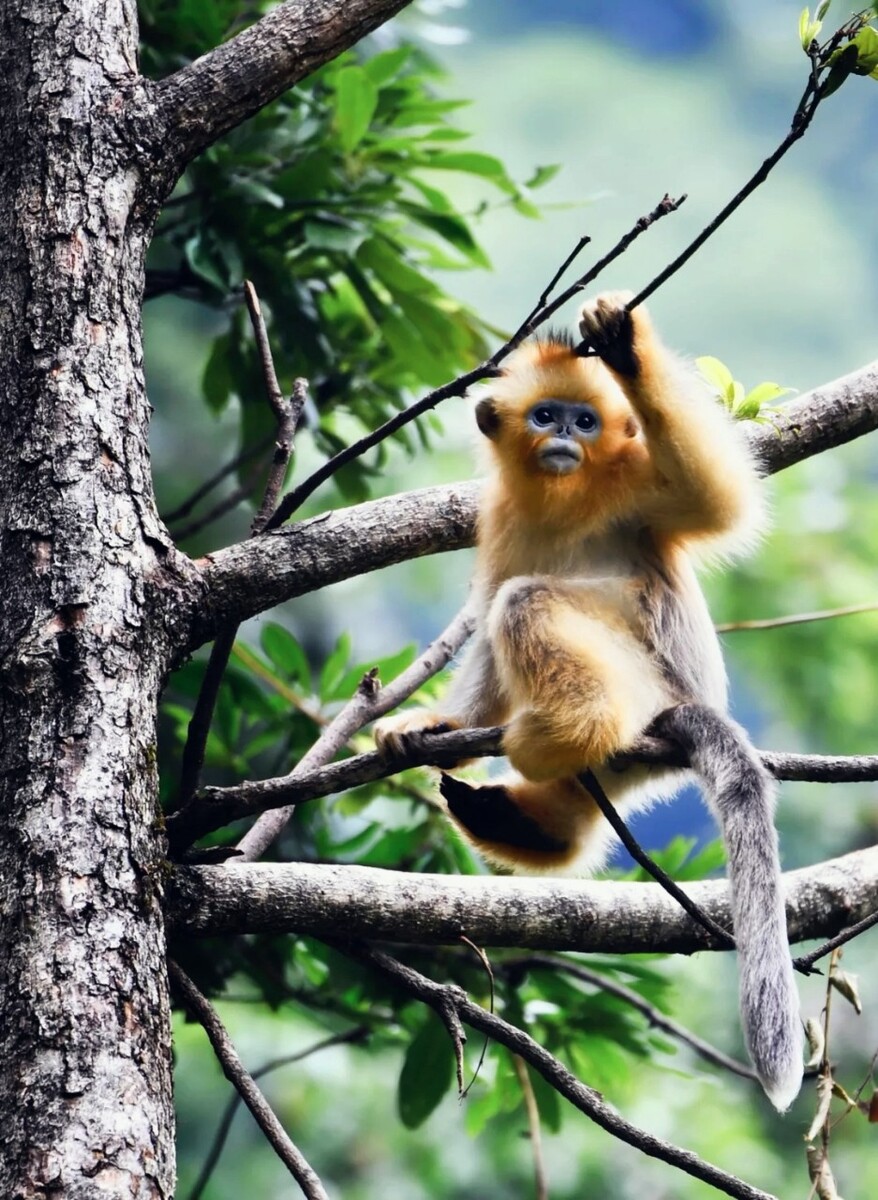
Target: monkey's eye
pixel 543 416
pixel 587 421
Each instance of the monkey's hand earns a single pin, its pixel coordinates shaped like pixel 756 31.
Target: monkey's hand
pixel 399 734
pixel 612 331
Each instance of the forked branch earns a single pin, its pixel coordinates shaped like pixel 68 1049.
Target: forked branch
pixel 439 997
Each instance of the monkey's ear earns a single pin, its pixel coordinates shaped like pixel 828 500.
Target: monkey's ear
pixel 487 417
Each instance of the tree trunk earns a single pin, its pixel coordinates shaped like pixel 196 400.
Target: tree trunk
pixel 85 1075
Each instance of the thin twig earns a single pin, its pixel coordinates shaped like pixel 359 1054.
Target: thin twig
pixel 656 1018
pixel 541 1190
pixel 489 971
pixel 236 1073
pixel 491 367
pixel 286 412
pixel 826 614
pixel 241 493
pixel 287 415
pixel 589 781
pixel 804 962
pixel 357 1034
pixel 586 1099
pixel 804 114
pixel 368 703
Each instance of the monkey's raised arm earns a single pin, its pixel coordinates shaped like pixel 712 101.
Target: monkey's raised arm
pixel 705 482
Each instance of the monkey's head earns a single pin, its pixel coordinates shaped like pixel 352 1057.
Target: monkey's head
pixel 559 425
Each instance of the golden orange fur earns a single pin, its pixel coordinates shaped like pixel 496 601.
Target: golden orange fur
pixel 581 575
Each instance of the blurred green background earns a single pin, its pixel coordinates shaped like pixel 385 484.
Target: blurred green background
pixel 632 102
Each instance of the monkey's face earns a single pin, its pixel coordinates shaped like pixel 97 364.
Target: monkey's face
pixel 562 430
pixel 563 436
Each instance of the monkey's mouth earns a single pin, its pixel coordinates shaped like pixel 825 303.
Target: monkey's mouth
pixel 560 458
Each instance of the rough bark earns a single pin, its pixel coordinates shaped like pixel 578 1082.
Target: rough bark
pixel 247 578
pixel 85 1078
pixel 558 914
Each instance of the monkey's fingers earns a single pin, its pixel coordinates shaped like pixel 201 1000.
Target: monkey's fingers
pixel 608 327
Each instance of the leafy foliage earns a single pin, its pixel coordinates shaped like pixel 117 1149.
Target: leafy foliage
pixel 332 201
pixel 744 405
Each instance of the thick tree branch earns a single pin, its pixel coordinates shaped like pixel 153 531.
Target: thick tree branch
pixel 253 576
pixel 218 91
pixel 546 914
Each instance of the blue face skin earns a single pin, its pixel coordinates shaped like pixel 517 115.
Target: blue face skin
pixel 567 426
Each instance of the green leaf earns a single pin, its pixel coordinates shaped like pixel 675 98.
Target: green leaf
pixel 204 263
pixel 543 175
pixel 356 98
pixel 765 393
pixel 486 166
pixel 427 1072
pixel 388 668
pixel 340 237
pixel 285 653
pixel 453 229
pixel 843 63
pixel 386 65
pixel 216 380
pixel 548 1101
pixel 866 42
pixel 718 375
pixel 251 190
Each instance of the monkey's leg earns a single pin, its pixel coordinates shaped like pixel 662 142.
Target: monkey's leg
pixel 581 685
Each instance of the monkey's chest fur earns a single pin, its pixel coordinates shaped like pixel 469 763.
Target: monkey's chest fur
pixel 633 592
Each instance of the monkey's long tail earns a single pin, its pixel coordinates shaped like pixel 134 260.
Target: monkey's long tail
pixel 742 794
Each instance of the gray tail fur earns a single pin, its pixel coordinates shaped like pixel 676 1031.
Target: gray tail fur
pixel 742 793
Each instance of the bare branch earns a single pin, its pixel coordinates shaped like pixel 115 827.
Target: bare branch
pixel 457 387
pixel 586 1099
pixel 185 508
pixel 214 94
pixel 590 782
pixel 286 415
pixel 546 914
pixel 541 1184
pixel 236 1073
pixel 826 614
pixel 215 807
pixel 805 961
pixel 248 578
pixel 369 703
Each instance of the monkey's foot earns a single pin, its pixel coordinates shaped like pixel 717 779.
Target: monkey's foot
pixel 490 815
